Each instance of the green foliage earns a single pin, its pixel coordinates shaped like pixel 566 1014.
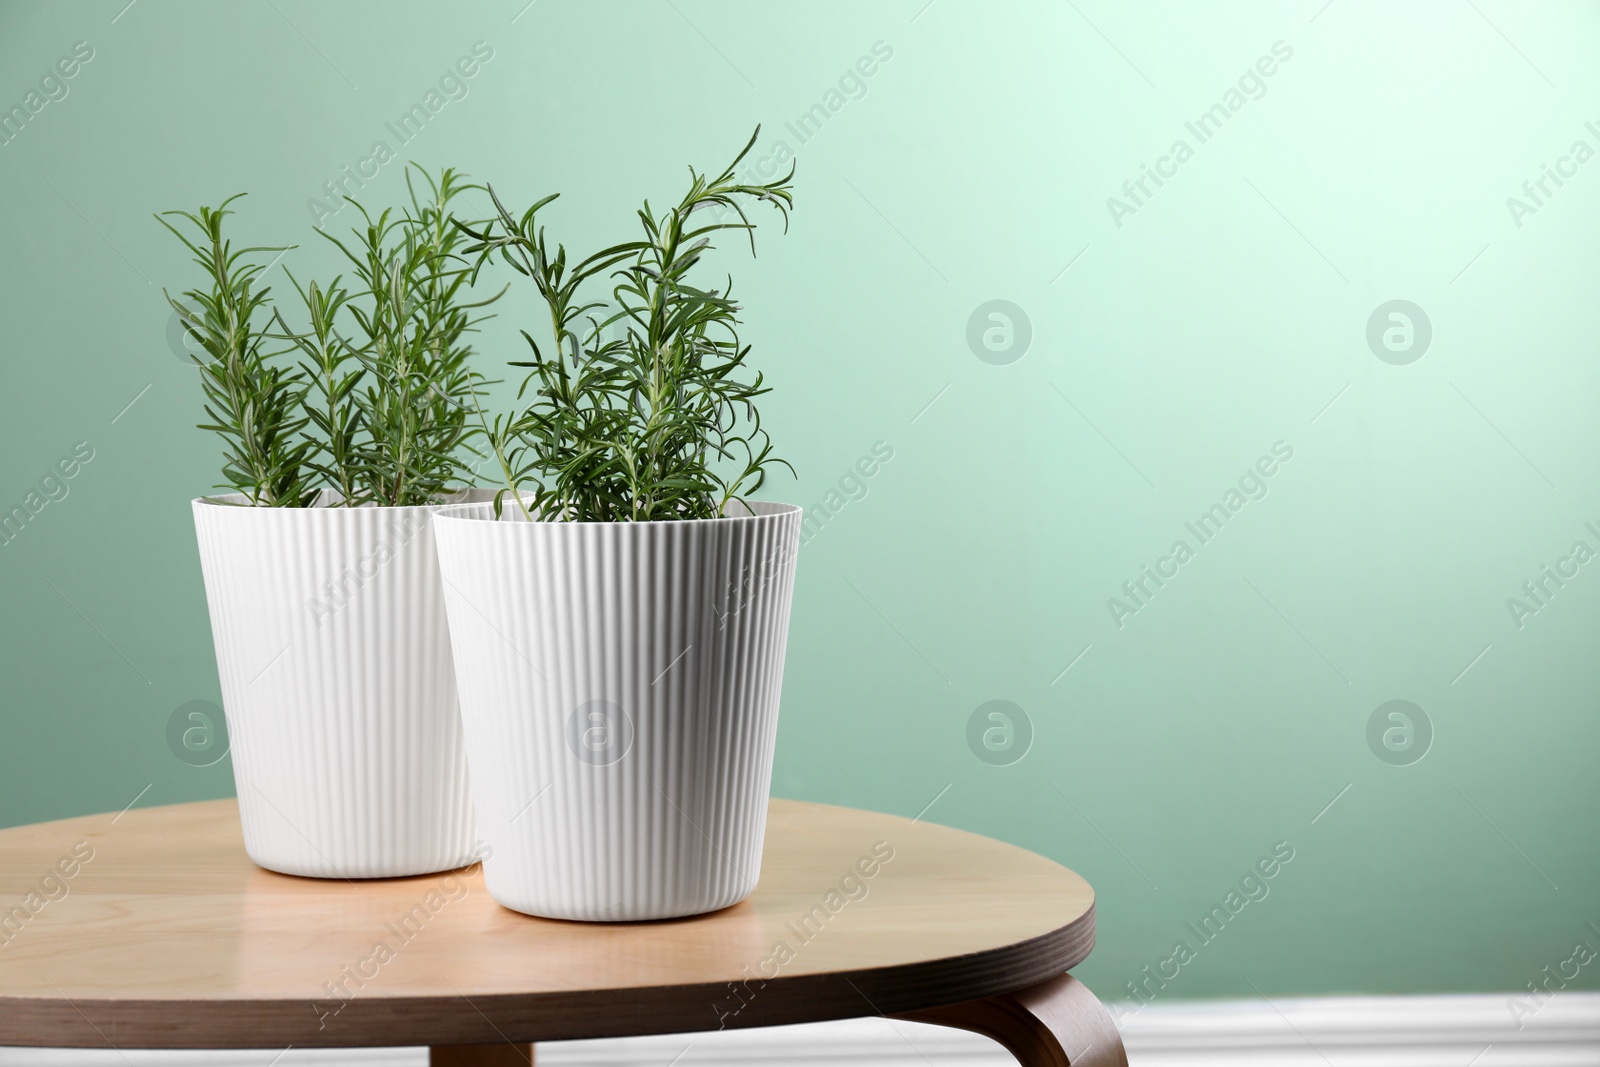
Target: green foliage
pixel 418 394
pixel 253 402
pixel 640 410
pixel 382 412
pixel 336 455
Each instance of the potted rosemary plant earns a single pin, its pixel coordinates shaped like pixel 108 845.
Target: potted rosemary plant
pixel 619 616
pixel 341 439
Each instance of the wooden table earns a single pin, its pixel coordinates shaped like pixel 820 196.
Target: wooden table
pixel 151 929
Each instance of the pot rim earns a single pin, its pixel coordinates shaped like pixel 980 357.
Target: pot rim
pixel 240 502
pixel 462 512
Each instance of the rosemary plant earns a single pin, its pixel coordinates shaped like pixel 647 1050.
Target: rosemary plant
pixel 336 454
pixel 253 402
pixel 641 410
pixel 417 395
pixel 383 416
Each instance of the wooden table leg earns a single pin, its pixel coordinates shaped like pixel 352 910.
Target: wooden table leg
pixel 1057 1023
pixel 504 1054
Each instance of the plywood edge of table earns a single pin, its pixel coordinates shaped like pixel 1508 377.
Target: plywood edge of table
pixel 921 976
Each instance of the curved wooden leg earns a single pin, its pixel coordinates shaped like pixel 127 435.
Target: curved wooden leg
pixel 504 1054
pixel 1057 1023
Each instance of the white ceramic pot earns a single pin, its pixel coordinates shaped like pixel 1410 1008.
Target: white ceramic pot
pixel 619 692
pixel 338 688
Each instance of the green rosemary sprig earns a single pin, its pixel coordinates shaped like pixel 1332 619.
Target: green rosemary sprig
pixel 419 393
pixel 253 402
pixel 639 411
pixel 335 371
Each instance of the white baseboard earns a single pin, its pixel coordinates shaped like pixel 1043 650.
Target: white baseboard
pixel 1426 1031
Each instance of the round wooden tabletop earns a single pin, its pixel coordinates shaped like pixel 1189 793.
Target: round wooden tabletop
pixel 151 929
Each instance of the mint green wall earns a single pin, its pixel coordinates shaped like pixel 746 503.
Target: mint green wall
pixel 1176 338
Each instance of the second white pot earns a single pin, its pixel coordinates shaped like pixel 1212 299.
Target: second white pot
pixel 619 688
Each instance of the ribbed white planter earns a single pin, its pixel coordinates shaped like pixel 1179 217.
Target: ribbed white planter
pixel 338 688
pixel 619 691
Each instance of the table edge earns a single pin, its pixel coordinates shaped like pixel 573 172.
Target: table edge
pixel 376 1022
